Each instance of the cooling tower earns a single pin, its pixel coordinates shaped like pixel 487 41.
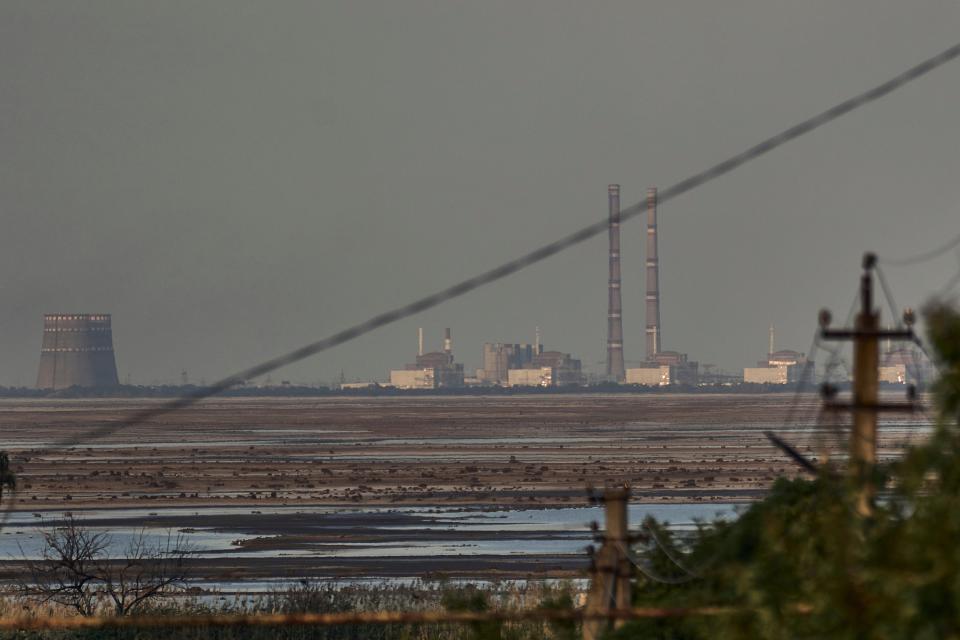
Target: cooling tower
pixel 77 351
pixel 615 365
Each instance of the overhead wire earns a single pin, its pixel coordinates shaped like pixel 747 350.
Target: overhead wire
pixel 921 386
pixel 895 313
pixel 913 367
pixel 816 346
pixel 951 284
pixel 649 571
pixel 925 256
pixel 542 253
pixel 669 554
pixel 806 376
pixel 533 257
pixel 831 426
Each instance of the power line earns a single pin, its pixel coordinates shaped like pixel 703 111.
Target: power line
pixel 895 314
pixel 669 554
pixel 925 256
pixel 540 254
pixel 948 287
pixel 531 258
pixel 649 572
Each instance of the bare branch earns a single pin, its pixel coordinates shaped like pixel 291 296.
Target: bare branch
pixel 75 570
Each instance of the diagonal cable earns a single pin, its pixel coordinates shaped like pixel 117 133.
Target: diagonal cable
pixel 927 255
pixel 531 258
pixel 541 253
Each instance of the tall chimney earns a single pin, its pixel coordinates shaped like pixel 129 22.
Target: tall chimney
pixel 770 352
pixel 654 345
pixel 536 341
pixel 420 341
pixel 615 367
pixel 447 342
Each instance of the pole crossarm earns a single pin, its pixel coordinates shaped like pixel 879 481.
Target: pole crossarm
pixel 865 404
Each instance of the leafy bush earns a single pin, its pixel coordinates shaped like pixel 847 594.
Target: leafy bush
pixel 803 563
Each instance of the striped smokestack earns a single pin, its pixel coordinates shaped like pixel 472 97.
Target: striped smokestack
pixel 654 345
pixel 447 341
pixel 615 367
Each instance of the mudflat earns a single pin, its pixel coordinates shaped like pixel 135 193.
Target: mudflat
pixel 505 451
pixel 428 487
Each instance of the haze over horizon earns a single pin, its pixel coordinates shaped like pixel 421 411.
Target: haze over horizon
pixel 233 179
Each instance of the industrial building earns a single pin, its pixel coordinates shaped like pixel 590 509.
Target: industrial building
pixel 500 358
pixel 413 379
pixel 666 368
pixel 650 376
pixel 893 374
pixel 904 366
pixel 433 370
pixel 780 367
pixel 77 351
pixel 547 369
pixel 530 377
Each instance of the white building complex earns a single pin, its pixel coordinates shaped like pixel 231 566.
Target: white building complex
pixel 780 367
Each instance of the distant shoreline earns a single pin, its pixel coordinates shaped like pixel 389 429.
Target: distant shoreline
pixel 295 391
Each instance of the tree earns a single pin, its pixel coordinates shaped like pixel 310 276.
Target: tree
pixel 804 563
pixel 75 570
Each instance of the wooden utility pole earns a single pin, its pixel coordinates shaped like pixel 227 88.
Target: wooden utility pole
pixel 866 384
pixel 611 569
pixel 865 405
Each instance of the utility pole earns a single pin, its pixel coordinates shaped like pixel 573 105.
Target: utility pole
pixel 865 404
pixel 610 566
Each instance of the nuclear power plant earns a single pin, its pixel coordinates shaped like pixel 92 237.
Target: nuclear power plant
pixel 77 351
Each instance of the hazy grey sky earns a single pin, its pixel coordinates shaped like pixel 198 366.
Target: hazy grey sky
pixel 232 179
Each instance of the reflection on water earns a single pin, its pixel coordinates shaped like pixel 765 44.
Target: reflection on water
pixel 468 531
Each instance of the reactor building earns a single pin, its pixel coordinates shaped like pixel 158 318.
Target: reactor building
pixel 525 365
pixel 434 370
pixel 547 369
pixel 781 367
pixel 499 358
pixel 77 351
